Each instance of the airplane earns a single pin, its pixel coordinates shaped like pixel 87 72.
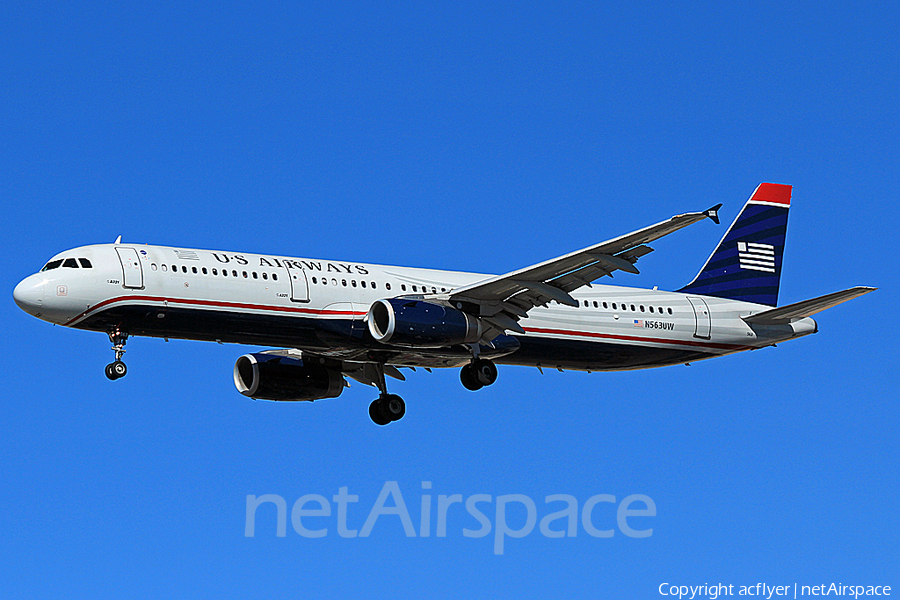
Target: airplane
pixel 327 320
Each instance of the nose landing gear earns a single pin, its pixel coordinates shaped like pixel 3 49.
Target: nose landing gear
pixel 116 370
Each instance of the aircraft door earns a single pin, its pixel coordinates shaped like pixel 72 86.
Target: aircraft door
pixel 133 274
pixel 299 284
pixel 702 318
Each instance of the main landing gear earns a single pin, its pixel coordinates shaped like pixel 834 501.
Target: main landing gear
pixel 388 407
pixel 116 370
pixel 478 373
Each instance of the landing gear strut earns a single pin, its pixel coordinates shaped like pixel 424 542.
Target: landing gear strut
pixel 117 369
pixel 388 407
pixel 478 374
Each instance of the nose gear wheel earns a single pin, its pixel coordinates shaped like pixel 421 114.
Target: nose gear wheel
pixel 117 369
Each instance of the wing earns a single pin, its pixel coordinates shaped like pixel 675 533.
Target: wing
pixel 504 299
pixel 362 371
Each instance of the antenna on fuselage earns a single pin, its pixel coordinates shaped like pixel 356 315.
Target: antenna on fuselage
pixel 118 240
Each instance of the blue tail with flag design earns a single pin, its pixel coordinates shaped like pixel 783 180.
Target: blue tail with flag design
pixel 747 263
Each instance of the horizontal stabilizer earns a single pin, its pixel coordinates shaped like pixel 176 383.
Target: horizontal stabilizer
pixel 806 308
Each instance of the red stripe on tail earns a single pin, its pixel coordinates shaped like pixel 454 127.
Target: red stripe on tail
pixel 772 192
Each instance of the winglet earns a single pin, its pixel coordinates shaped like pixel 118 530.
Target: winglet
pixel 713 213
pixel 118 240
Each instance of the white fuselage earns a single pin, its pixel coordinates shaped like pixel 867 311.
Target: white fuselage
pixel 282 301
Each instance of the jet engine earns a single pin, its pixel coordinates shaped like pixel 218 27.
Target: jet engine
pixel 273 377
pixel 421 324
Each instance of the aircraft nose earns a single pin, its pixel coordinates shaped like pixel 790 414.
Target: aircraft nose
pixel 29 294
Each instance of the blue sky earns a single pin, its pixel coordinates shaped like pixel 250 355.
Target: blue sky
pixel 458 136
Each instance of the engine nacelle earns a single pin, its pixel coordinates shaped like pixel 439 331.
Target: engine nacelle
pixel 273 377
pixel 420 324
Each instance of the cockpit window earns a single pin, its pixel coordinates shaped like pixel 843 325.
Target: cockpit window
pixel 53 264
pixel 70 263
pixel 85 263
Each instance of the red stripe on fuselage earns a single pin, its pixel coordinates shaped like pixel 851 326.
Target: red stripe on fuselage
pixel 217 304
pixel 631 338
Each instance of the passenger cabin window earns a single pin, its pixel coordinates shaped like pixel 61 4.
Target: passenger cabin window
pixel 53 264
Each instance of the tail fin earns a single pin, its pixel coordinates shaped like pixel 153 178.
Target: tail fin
pixel 747 264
